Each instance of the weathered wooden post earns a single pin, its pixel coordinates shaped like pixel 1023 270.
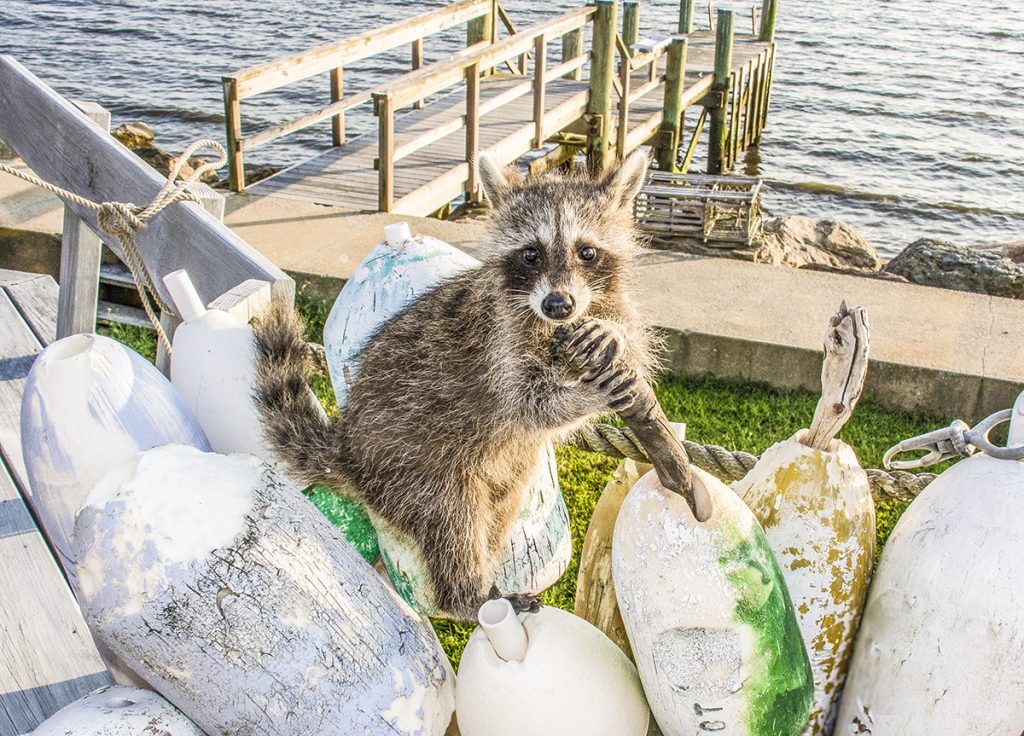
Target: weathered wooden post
pixel 572 46
pixel 540 65
pixel 719 132
pixel 686 16
pixel 631 24
pixel 602 67
pixel 233 128
pixel 80 250
pixel 672 121
pixel 337 92
pixel 384 110
pixel 417 62
pixel 483 28
pixel 769 9
pixel 473 131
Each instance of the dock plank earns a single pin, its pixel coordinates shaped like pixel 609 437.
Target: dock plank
pixel 47 657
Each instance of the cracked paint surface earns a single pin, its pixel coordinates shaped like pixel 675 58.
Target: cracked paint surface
pixel 279 628
pixel 711 626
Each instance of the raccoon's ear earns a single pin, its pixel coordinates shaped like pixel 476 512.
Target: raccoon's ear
pixel 623 183
pixel 497 181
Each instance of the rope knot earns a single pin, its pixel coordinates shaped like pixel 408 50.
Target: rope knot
pixel 118 219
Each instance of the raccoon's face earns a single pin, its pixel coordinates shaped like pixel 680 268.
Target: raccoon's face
pixel 563 243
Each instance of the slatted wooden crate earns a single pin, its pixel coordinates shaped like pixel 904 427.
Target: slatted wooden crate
pixel 696 209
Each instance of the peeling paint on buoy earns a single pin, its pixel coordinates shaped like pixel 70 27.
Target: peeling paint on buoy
pixel 816 510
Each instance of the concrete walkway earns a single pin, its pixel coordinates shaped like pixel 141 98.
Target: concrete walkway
pixel 946 353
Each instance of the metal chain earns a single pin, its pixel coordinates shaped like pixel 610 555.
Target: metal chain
pixel 731 466
pixel 122 220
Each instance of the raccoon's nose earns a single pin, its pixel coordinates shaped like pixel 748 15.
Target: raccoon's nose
pixel 558 306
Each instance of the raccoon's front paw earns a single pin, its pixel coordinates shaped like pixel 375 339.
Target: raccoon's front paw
pixel 521 602
pixel 591 348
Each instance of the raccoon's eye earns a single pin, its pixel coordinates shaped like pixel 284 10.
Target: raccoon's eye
pixel 531 255
pixel 587 253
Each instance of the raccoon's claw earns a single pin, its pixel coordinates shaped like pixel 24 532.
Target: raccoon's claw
pixel 591 347
pixel 521 602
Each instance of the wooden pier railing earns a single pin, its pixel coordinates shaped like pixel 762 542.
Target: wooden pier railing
pixel 619 91
pixel 479 16
pixel 467 70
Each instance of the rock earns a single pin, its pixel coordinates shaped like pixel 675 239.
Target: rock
pixel 140 139
pixel 802 242
pixel 135 135
pixel 938 263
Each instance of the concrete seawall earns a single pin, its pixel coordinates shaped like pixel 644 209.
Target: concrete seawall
pixel 945 353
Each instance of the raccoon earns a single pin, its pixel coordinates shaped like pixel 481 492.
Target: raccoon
pixel 456 395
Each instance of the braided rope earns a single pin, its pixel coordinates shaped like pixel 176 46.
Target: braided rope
pixel 731 466
pixel 122 220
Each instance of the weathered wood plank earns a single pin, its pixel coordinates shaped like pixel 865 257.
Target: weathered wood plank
pixel 64 147
pixel 35 299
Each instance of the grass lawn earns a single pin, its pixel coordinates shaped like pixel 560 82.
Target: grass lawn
pixel 738 416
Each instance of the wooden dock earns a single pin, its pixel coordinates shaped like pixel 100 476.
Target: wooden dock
pixel 510 97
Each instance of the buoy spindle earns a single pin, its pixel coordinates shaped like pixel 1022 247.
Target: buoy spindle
pixel 185 296
pixel 504 630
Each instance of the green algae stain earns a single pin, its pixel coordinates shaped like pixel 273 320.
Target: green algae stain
pixel 349 517
pixel 781 683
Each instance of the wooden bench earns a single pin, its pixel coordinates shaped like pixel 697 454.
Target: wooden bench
pixel 47 657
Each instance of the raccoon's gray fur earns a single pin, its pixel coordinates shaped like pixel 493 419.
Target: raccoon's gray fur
pixel 456 395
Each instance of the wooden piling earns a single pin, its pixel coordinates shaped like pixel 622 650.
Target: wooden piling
pixel 686 16
pixel 769 10
pixel 572 46
pixel 386 151
pixel 417 62
pixel 718 134
pixel 631 24
pixel 602 68
pixel 473 131
pixel 670 136
pixel 483 28
pixel 337 92
pixel 540 47
pixel 233 118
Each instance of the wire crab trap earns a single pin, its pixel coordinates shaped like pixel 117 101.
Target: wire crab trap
pixel 717 212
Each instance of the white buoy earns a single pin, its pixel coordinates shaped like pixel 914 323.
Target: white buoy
pixel 546 674
pixel 242 605
pixel 213 369
pixel 940 646
pixel 91 403
pixel 709 618
pixel 595 588
pixel 815 506
pixel 118 711
pixel 392 276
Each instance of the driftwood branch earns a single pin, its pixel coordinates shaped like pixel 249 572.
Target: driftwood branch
pixel 842 375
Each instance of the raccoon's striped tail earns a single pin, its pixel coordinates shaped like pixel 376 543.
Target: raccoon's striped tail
pixel 297 428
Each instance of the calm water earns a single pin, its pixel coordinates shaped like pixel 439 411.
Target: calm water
pixel 904 117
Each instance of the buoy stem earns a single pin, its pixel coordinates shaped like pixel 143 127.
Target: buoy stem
pixel 185 296
pixel 397 233
pixel 843 372
pixel 503 629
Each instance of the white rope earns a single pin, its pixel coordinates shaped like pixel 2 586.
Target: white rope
pixel 122 220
